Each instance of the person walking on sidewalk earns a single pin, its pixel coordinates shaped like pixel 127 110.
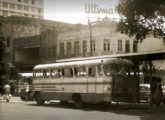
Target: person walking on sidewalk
pixel 26 91
pixel 7 92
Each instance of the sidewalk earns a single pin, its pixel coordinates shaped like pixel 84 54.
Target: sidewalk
pixel 12 99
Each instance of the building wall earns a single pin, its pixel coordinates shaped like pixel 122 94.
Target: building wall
pixel 48 46
pixel 27 8
pixel 32 50
pixel 151 44
pixel 21 27
pixel 102 33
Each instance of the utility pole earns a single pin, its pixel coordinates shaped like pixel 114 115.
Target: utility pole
pixel 90 33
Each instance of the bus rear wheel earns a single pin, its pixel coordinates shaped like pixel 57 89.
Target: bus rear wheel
pixel 39 99
pixel 77 101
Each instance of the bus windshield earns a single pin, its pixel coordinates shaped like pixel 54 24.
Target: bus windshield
pixel 114 68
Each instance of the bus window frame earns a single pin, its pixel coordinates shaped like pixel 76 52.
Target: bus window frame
pixel 34 74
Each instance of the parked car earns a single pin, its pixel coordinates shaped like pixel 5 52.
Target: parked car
pixel 163 89
pixel 144 92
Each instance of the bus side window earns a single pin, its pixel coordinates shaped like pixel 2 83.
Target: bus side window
pixel 100 70
pixel 92 71
pixel 127 71
pixel 71 72
pixel 68 72
pixel 59 72
pixel 109 69
pixel 80 71
pixel 55 73
pixel 44 73
pixel 62 72
pixel 38 73
pixel 51 73
pixel 75 71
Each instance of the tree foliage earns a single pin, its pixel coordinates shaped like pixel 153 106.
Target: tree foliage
pixel 142 17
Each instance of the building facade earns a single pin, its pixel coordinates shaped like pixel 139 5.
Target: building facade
pixel 24 43
pixel 26 8
pixel 21 27
pixel 101 39
pixel 26 52
pixel 33 50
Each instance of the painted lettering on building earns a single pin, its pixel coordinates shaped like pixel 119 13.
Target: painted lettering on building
pixel 96 9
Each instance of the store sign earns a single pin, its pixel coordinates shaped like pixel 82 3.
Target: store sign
pixel 96 9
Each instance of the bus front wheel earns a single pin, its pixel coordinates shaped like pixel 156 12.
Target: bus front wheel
pixel 39 99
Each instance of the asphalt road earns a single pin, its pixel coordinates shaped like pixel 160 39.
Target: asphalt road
pixel 18 110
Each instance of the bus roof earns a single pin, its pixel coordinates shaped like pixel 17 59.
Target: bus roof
pixel 82 63
pixel 26 74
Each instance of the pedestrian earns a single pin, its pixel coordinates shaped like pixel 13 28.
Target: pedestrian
pixel 7 92
pixel 26 91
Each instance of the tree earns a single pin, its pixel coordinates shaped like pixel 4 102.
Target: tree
pixel 141 18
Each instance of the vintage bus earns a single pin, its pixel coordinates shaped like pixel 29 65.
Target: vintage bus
pixel 92 81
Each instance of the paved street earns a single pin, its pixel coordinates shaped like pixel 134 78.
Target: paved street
pixel 19 110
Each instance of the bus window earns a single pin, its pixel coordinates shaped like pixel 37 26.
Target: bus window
pixel 80 71
pixel 51 73
pixel 55 73
pixel 44 73
pixel 37 73
pixel 62 72
pixel 110 69
pixel 68 72
pixel 75 71
pixel 92 71
pixel 130 70
pixel 107 69
pixel 100 70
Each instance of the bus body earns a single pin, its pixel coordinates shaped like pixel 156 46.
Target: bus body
pixel 94 81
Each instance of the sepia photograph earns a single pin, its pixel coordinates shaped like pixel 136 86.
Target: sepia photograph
pixel 82 59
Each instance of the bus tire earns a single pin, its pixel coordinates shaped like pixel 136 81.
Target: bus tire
pixel 77 100
pixel 104 105
pixel 163 100
pixel 39 99
pixel 22 98
pixel 63 102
